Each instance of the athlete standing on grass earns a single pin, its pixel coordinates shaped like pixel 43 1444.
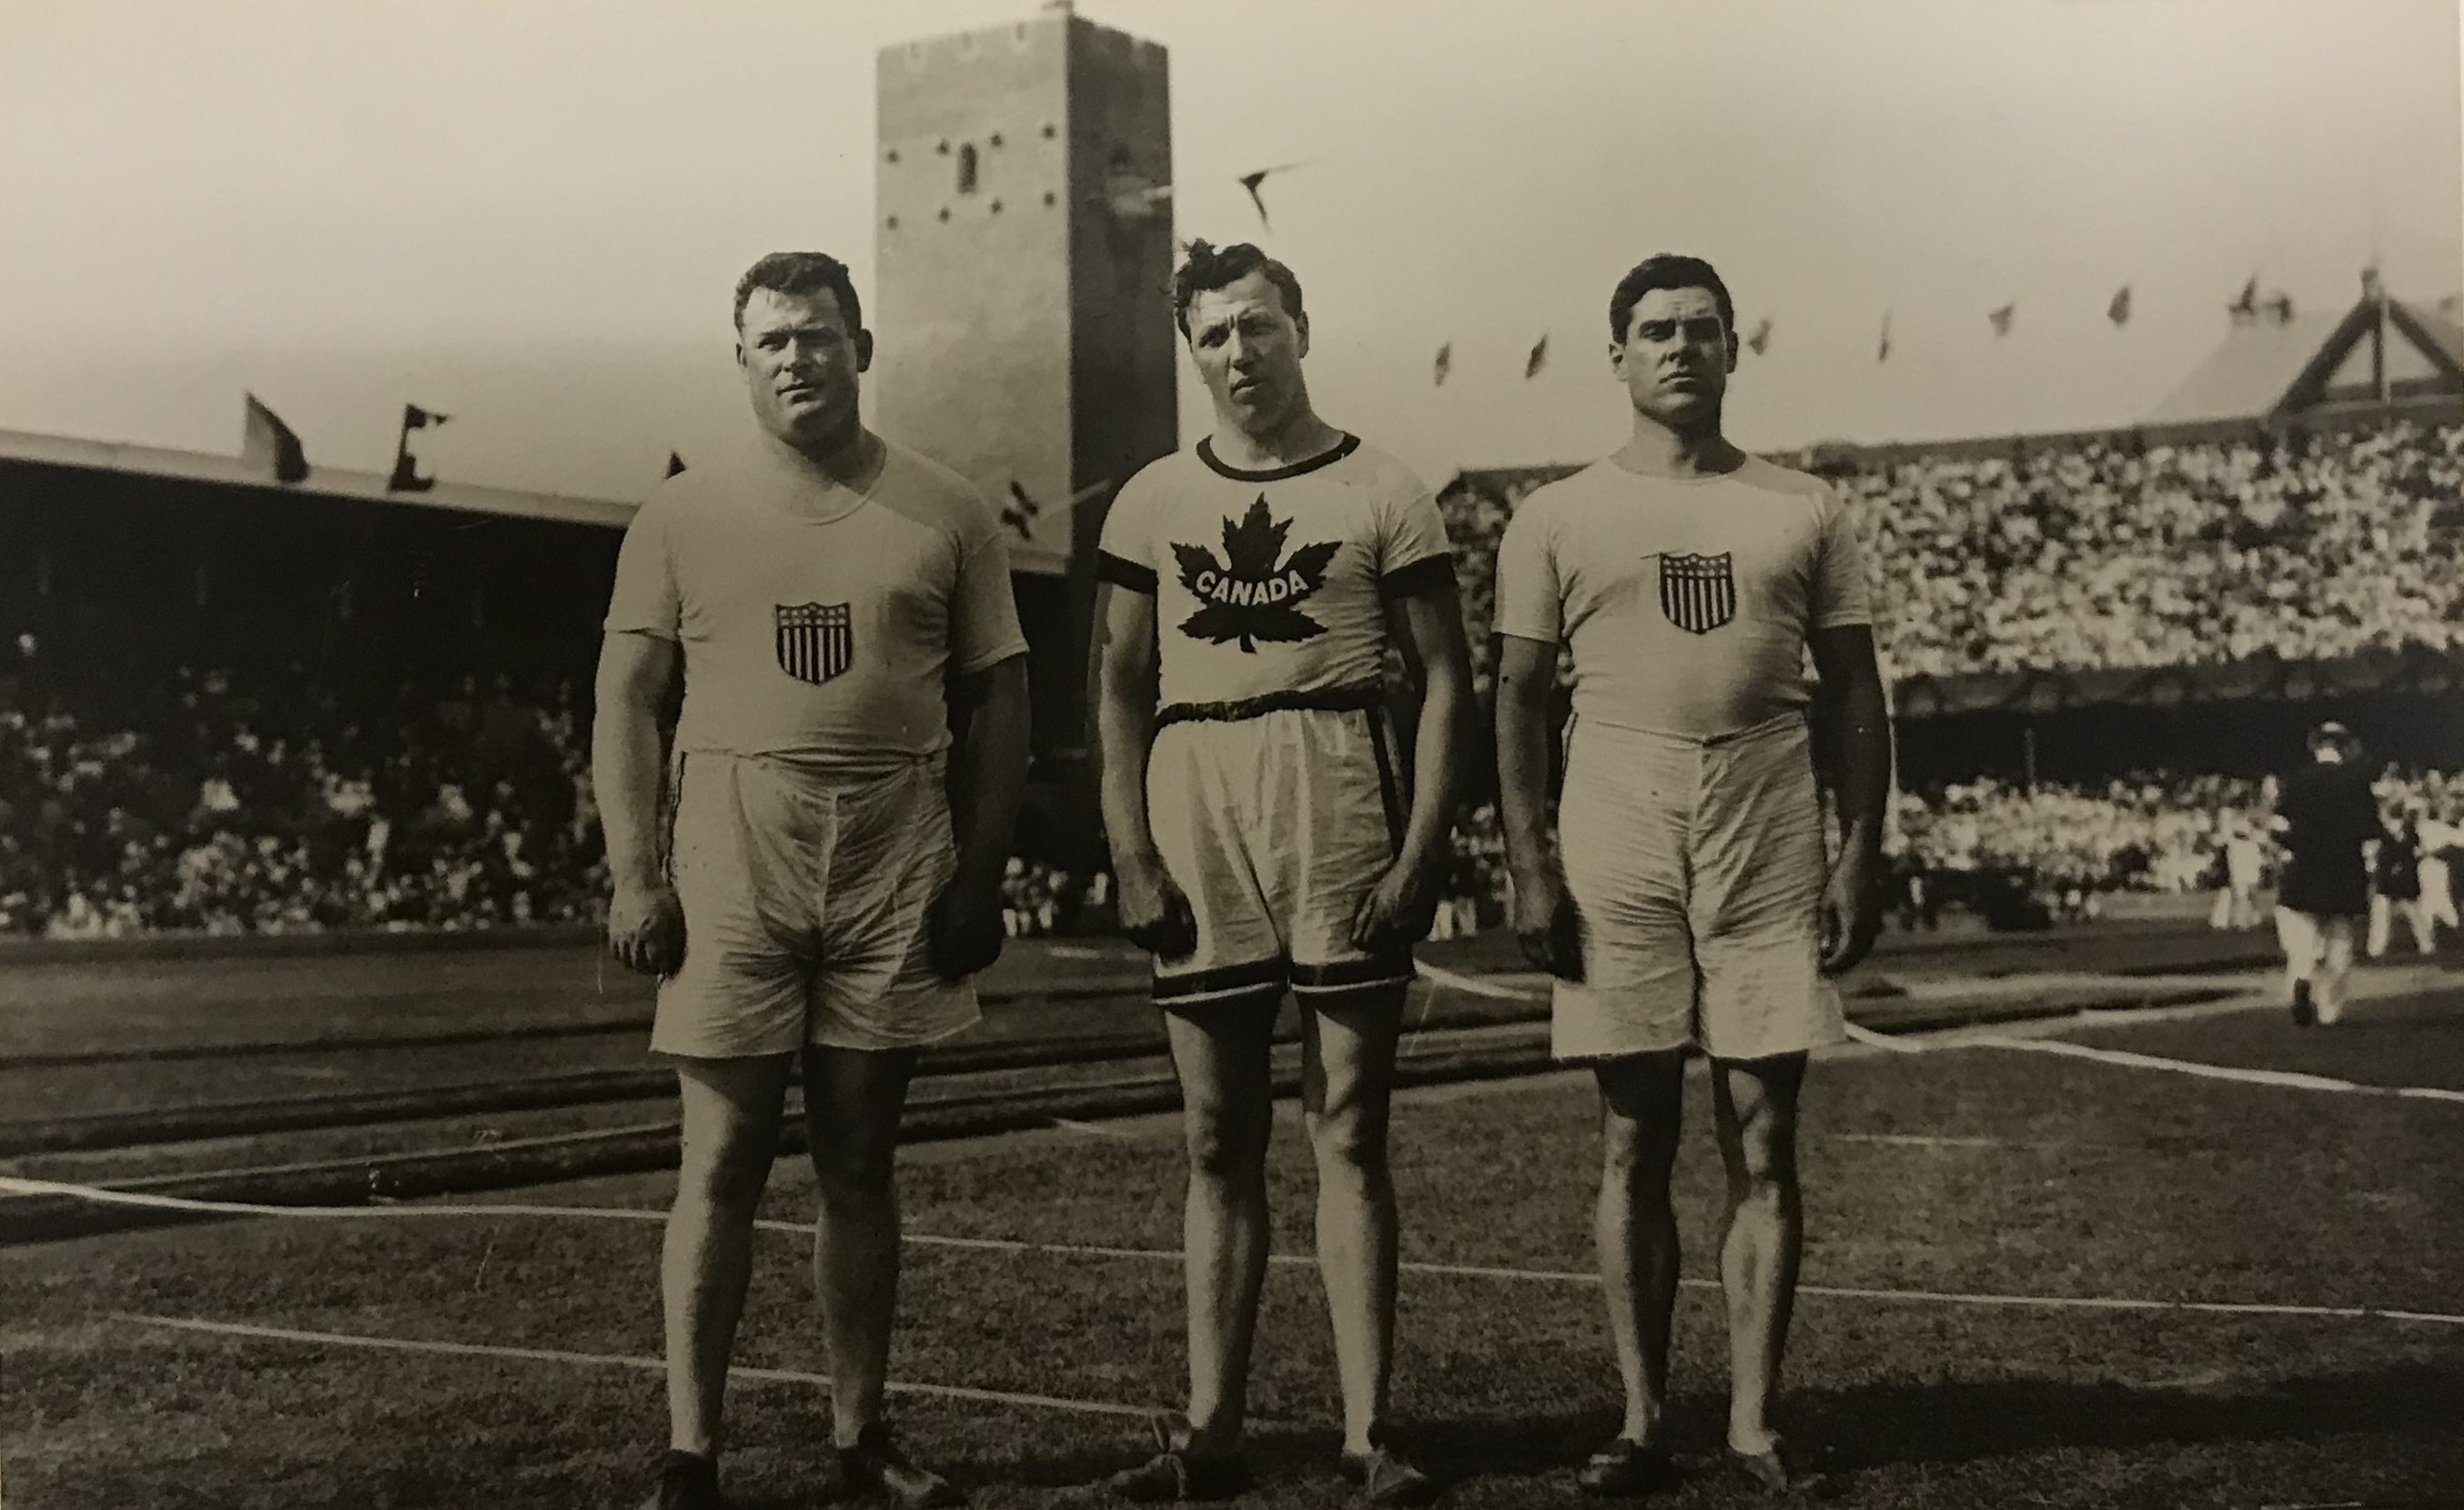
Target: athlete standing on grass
pixel 814 894
pixel 1261 836
pixel 2327 818
pixel 1695 907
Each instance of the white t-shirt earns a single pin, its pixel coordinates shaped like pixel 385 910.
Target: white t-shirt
pixel 1273 581
pixel 1687 603
pixel 817 623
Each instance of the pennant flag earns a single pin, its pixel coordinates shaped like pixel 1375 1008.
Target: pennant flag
pixel 2248 302
pixel 2002 317
pixel 1883 352
pixel 676 464
pixel 1252 180
pixel 2278 307
pixel 2119 311
pixel 269 444
pixel 406 478
pixel 1019 512
pixel 1538 359
pixel 1445 361
pixel 1760 340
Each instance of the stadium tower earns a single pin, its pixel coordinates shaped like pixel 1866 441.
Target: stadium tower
pixel 1021 295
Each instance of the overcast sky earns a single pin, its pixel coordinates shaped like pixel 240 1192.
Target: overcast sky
pixel 530 214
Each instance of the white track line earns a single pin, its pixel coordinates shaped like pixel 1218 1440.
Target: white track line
pixel 549 1355
pixel 1475 987
pixel 1565 1277
pixel 2280 1079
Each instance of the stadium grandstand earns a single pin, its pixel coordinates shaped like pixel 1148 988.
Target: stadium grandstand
pixel 250 695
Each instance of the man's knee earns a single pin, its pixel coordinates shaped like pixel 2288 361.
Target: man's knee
pixel 1348 1135
pixel 727 1167
pixel 1227 1143
pixel 855 1169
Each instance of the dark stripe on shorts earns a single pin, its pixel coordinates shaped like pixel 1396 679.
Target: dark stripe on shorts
pixel 1369 696
pixel 1258 975
pixel 1390 792
pixel 1324 458
pixel 1378 970
pixel 1420 576
pixel 1122 572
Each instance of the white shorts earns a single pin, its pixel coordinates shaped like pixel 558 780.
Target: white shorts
pixel 1698 868
pixel 1276 825
pixel 804 903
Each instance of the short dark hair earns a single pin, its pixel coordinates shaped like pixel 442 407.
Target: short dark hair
pixel 800 273
pixel 1217 267
pixel 1667 270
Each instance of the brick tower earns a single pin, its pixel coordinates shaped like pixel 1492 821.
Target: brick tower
pixel 1022 297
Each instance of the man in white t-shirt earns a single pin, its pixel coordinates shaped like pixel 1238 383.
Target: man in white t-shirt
pixel 1264 835
pixel 1690 903
pixel 816 872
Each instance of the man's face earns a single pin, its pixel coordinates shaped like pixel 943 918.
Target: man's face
pixel 1248 350
pixel 1676 355
pixel 801 365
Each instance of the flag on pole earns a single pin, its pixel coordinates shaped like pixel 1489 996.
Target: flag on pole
pixel 1445 361
pixel 2002 317
pixel 269 444
pixel 676 464
pixel 2119 311
pixel 1760 340
pixel 1019 512
pixel 1883 352
pixel 1538 359
pixel 2248 302
pixel 407 476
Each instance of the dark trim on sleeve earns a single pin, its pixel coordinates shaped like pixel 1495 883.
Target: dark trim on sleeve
pixel 1324 458
pixel 1122 572
pixel 1417 577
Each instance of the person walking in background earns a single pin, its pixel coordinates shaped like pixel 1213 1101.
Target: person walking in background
pixel 2326 818
pixel 2396 890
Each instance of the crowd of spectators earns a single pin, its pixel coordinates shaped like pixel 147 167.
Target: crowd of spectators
pixel 211 801
pixel 2105 553
pixel 205 803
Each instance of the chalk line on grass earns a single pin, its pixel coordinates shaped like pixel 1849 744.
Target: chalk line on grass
pixel 1565 1277
pixel 2280 1079
pixel 550 1355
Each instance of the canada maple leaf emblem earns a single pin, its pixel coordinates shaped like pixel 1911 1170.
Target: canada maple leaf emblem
pixel 1254 594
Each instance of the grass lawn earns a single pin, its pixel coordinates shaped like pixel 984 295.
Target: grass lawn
pixel 1974 1171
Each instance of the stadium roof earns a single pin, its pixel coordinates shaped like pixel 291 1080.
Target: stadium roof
pixel 335 483
pixel 2272 368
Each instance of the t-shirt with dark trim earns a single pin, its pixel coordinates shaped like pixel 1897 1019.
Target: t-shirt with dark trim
pixel 1274 582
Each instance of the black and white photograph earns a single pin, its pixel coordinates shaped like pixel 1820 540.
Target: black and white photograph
pixel 1292 753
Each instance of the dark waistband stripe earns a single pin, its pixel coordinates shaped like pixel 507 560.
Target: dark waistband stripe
pixel 1366 697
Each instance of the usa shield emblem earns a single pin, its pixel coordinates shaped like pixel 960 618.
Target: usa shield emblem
pixel 816 640
pixel 1698 593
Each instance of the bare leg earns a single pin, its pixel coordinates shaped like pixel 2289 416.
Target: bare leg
pixel 852 1100
pixel 1642 1100
pixel 1347 1089
pixel 729 1109
pixel 1754 1102
pixel 1220 1051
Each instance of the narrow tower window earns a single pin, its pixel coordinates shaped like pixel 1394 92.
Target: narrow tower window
pixel 967 168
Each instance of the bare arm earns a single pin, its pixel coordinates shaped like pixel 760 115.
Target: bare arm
pixel 1527 675
pixel 1427 628
pixel 1154 914
pixel 634 671
pixel 989 721
pixel 645 927
pixel 1858 733
pixel 1124 668
pixel 1858 730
